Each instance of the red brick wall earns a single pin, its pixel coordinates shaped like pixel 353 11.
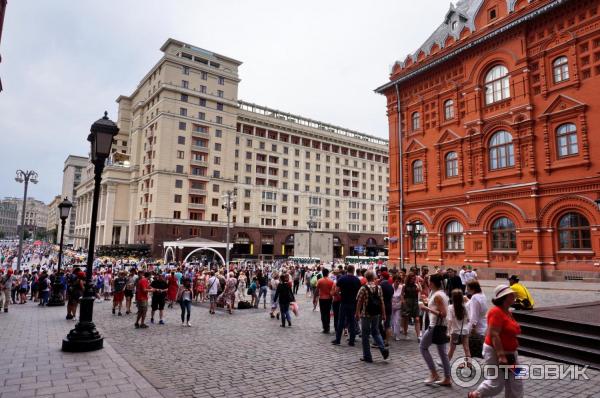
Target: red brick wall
pixel 541 186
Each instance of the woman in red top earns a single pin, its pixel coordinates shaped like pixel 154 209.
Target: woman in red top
pixel 173 287
pixel 500 347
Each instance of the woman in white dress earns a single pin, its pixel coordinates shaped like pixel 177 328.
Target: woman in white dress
pixel 397 307
pixel 242 286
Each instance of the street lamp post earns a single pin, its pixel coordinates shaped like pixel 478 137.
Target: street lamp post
pixel 64 209
pixel 26 177
pixel 85 337
pixel 312 224
pixel 228 205
pixel 414 229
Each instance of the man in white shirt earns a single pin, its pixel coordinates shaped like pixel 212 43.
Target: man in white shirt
pixel 469 275
pixel 213 291
pixel 461 273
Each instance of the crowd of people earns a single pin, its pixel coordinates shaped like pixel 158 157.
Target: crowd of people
pixel 447 308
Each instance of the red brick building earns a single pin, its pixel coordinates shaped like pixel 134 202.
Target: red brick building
pixel 496 117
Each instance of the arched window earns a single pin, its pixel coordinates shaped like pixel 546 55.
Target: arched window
pixel 560 68
pixel 421 241
pixel 574 232
pixel 497 84
pixel 449 110
pixel 416 121
pixel 417 171
pixel 502 152
pixel 455 239
pixel 451 164
pixel 504 234
pixel 566 139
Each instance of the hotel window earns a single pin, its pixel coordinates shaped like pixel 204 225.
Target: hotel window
pixel 201 115
pixel 451 164
pixel 202 102
pixel 504 234
pixel 217 146
pixel 219 119
pixel 183 111
pixel 203 89
pixel 203 75
pixel 449 110
pixel 184 97
pixel 502 152
pixel 181 140
pixel 417 172
pixel 454 236
pixel 566 136
pixel 177 199
pixel 221 80
pixel 180 154
pixel 214 217
pixel 560 68
pixel 219 106
pixel 219 133
pixel 182 126
pixel 574 232
pixel 220 93
pixel 178 183
pixel 186 70
pixel 497 84
pixel 416 121
pixel 177 214
pixel 179 168
pixel 185 84
pixel 421 241
pixel 215 188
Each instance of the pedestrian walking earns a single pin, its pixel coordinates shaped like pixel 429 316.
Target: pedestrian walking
pixel 370 309
pixel 184 298
pixel 159 296
pixel 142 289
pixel 284 295
pixel 324 292
pixel 348 286
pixel 500 347
pixel 437 309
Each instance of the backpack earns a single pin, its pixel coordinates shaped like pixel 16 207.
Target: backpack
pixel 313 280
pixel 373 306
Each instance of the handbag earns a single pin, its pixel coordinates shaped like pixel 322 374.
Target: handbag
pixel 476 345
pixel 456 337
pixel 440 333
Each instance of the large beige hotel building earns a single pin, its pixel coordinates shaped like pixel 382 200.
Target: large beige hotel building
pixel 186 140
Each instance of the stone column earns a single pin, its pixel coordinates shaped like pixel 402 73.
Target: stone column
pixel 109 212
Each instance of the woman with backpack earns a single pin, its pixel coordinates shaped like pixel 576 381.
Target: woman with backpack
pixel 458 325
pixel 285 295
pixel 437 332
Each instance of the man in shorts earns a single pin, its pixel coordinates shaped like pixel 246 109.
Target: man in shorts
pixel 119 284
pixel 159 295
pixel 213 291
pixel 141 297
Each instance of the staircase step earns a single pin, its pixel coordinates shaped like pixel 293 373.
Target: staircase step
pixel 552 347
pixel 532 318
pixel 560 334
pixel 536 353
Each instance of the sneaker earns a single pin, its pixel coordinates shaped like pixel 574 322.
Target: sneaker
pixel 120 314
pixel 161 322
pixel 143 326
pixel 367 360
pixel 335 342
pixel 137 325
pixel 189 325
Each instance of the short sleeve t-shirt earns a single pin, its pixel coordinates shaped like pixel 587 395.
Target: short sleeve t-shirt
pixel 324 286
pixel 509 328
pixel 213 285
pixel 159 285
pixel 348 286
pixel 141 293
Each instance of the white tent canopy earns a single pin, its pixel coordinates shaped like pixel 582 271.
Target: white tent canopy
pixel 198 244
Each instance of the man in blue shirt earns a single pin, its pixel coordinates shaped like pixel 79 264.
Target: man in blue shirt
pixel 348 286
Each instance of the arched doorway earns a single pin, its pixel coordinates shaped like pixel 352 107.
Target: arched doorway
pixel 202 249
pixel 242 245
pixel 338 248
pixel 167 251
pixel 267 245
pixel 288 245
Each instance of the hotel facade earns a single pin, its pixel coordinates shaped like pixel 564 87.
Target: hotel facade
pixel 491 127
pixel 186 141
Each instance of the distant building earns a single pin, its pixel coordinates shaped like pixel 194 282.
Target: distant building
pixel 185 140
pixel 53 226
pixel 36 214
pixel 8 219
pixel 73 168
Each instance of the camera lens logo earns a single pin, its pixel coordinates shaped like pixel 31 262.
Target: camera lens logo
pixel 465 372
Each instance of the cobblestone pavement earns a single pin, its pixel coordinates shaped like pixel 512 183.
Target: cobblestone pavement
pixel 241 355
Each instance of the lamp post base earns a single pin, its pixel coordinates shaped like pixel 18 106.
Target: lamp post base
pixel 56 299
pixel 84 337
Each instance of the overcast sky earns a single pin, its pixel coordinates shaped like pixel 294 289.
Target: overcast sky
pixel 65 61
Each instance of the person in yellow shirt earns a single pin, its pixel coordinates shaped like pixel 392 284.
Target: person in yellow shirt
pixel 523 300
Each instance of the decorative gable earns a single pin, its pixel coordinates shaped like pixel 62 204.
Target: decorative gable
pixel 447 137
pixel 563 103
pixel 415 146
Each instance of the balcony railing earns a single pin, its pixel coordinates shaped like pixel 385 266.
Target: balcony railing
pixel 198 162
pixel 194 191
pixel 197 206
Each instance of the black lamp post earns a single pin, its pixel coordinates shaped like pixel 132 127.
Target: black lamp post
pixel 26 177
pixel 64 208
pixel 414 229
pixel 85 337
